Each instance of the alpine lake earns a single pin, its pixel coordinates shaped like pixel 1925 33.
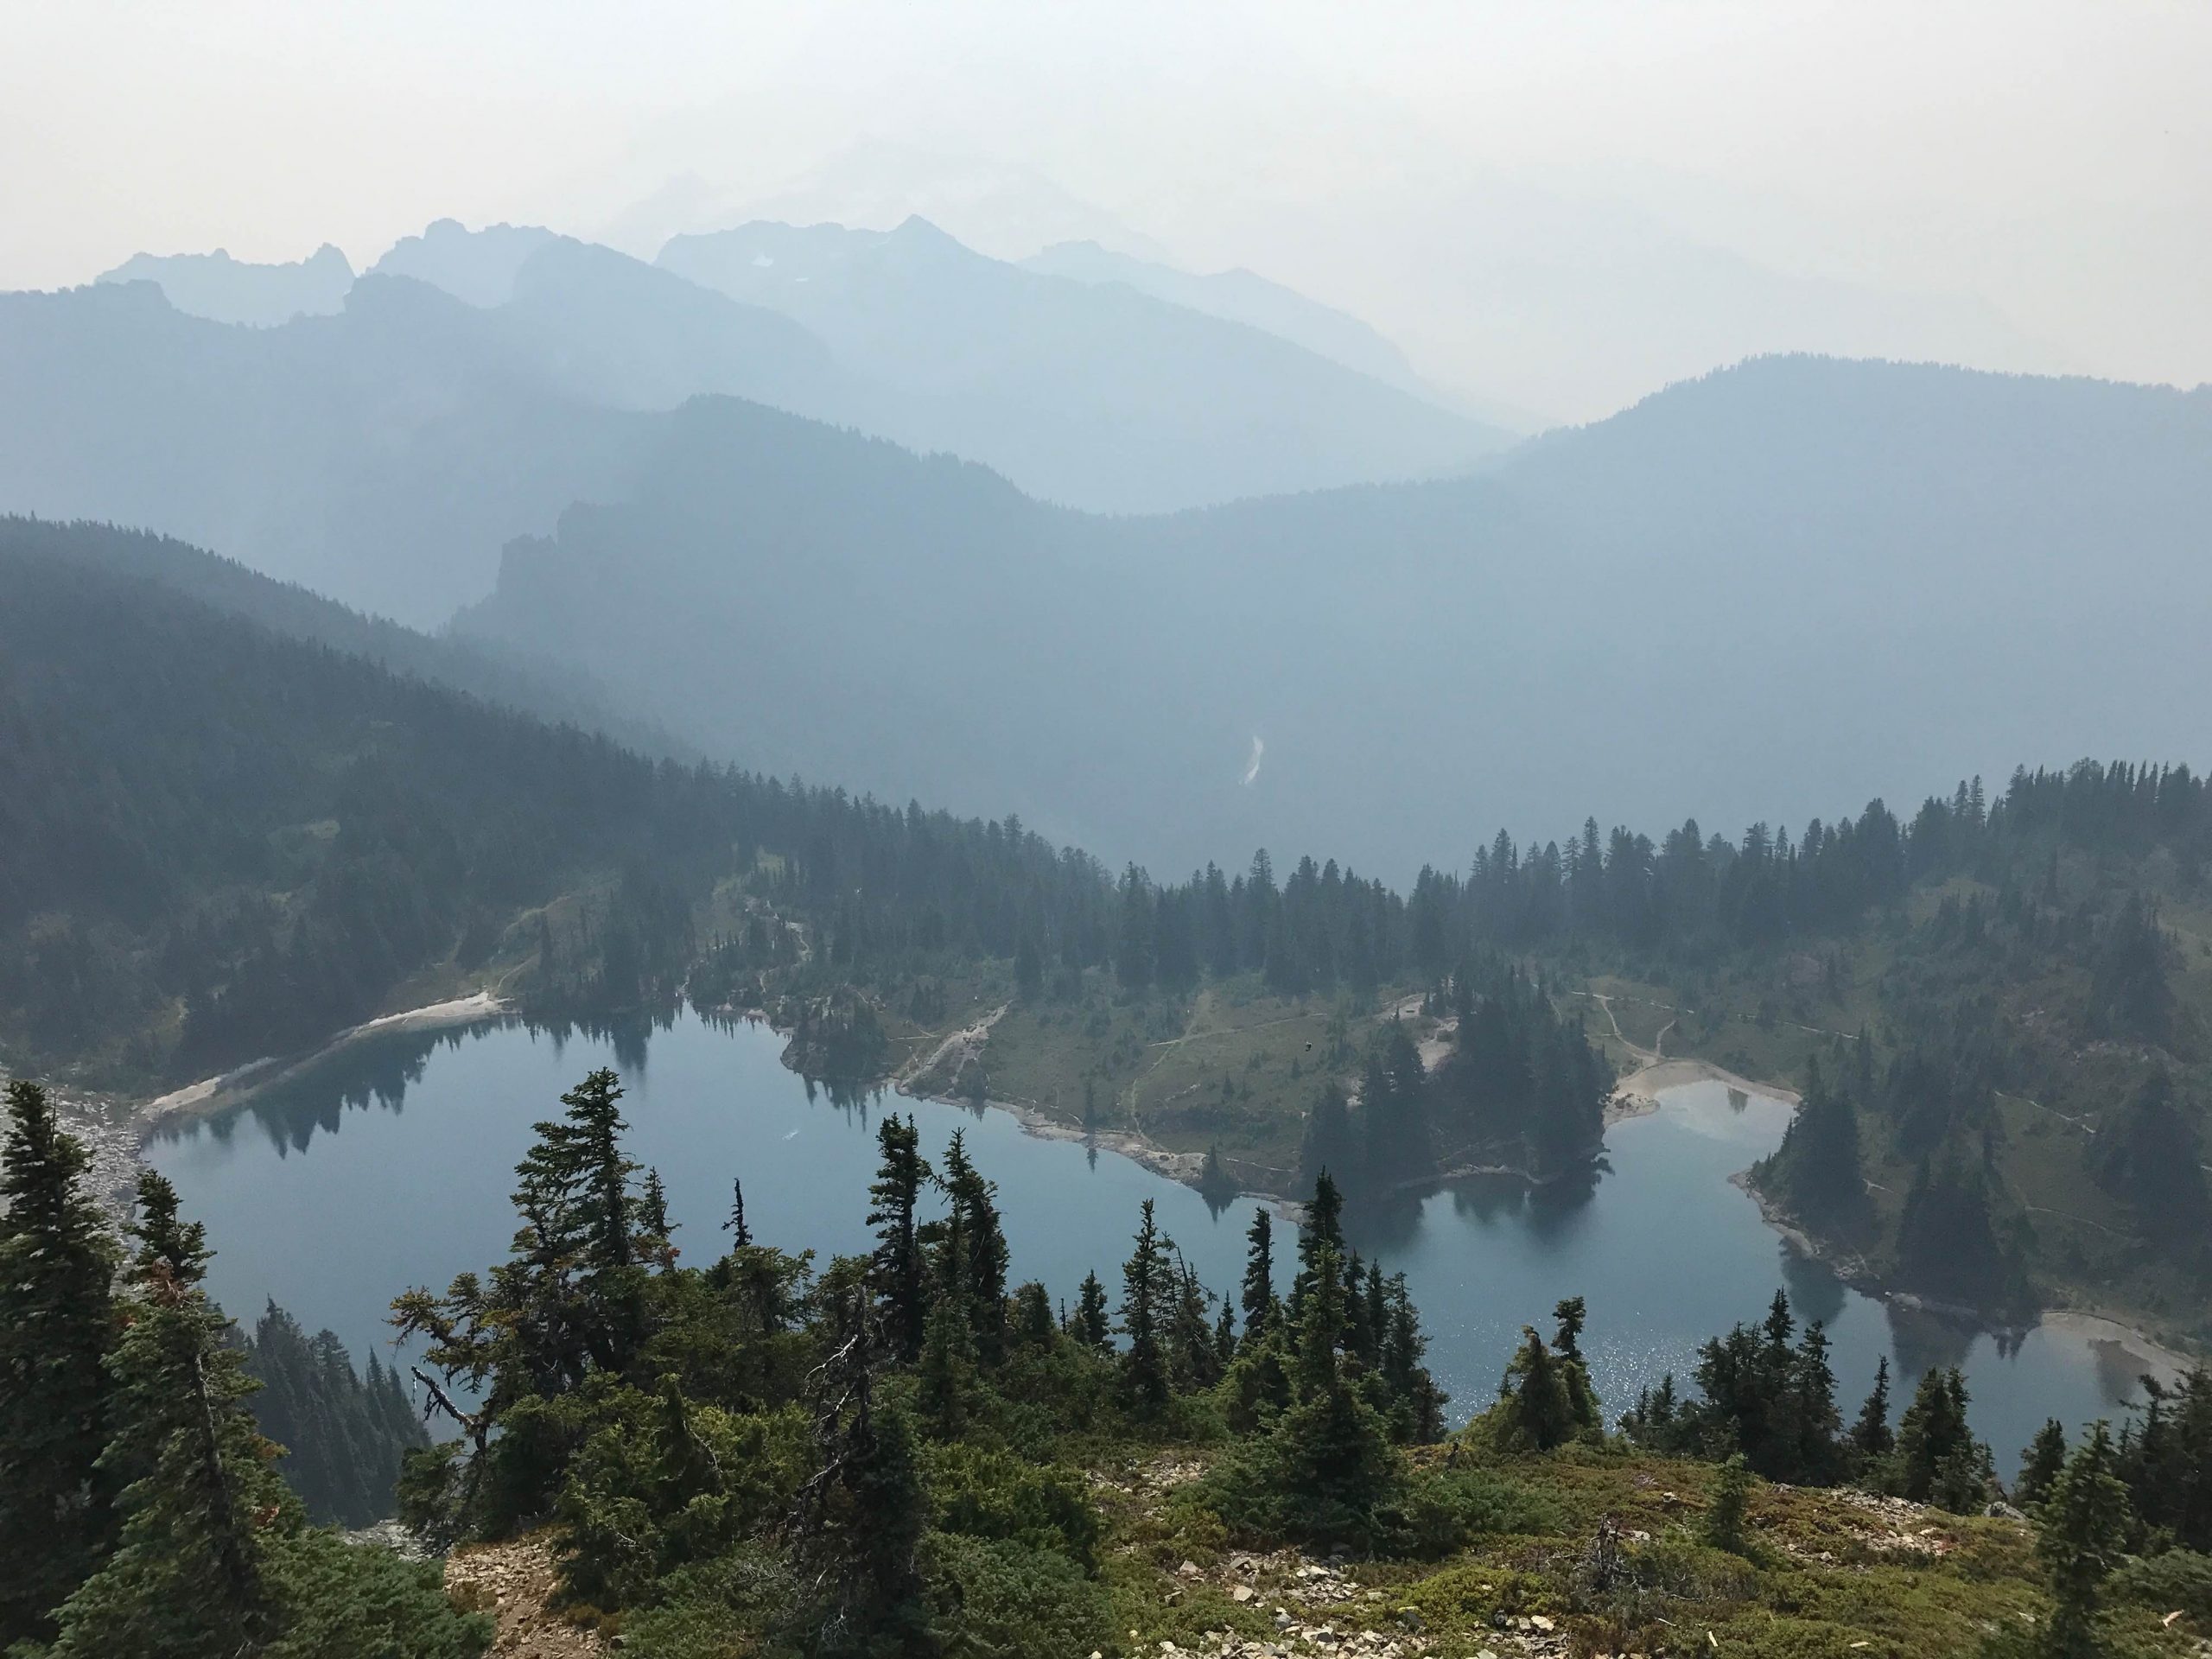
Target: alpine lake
pixel 388 1163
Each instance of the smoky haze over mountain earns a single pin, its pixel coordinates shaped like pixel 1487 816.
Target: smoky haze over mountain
pixel 1554 210
pixel 1380 472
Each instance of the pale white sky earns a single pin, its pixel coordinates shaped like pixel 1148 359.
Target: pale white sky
pixel 1556 204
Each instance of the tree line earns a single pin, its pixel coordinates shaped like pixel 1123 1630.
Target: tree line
pixel 269 836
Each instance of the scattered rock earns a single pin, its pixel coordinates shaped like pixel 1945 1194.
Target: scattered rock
pixel 515 1583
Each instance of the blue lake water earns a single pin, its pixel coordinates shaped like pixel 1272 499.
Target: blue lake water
pixel 388 1165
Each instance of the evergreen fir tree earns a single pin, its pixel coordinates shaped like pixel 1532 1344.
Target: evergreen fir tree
pixel 1032 1315
pixel 342 1438
pixel 1871 1435
pixel 2040 1464
pixel 654 1228
pixel 57 1322
pixel 1148 1290
pixel 1573 1371
pixel 1329 1454
pixel 896 1270
pixel 1196 1362
pixel 1817 1171
pixel 1418 1401
pixel 190 1575
pixel 1327 1144
pixel 1934 1447
pixel 1724 1514
pixel 2085 1527
pixel 739 1234
pixel 1814 1425
pixel 1261 1310
pixel 946 1377
pixel 1323 1230
pixel 979 1285
pixel 1535 1409
pixel 1093 1326
pixel 862 1513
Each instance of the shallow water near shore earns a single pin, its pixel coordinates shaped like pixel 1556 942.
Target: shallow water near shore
pixel 390 1164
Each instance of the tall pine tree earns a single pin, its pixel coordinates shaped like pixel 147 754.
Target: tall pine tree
pixel 57 1320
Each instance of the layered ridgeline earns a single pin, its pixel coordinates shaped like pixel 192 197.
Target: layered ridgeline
pixel 1792 584
pixel 914 1452
pixel 231 843
pixel 471 386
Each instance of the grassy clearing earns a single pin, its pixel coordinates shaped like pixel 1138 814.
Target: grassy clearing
pixel 1829 1575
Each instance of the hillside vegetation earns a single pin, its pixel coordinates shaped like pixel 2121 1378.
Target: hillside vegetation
pixel 2006 994
pixel 912 1452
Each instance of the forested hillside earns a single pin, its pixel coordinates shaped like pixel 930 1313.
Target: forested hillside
pixel 564 694
pixel 226 844
pixel 1791 584
pixel 2007 995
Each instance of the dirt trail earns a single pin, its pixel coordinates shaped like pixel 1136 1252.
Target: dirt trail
pixel 1640 1054
pixel 959 1048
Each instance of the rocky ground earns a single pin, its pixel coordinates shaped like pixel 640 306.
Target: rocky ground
pixel 514 1582
pixel 113 1141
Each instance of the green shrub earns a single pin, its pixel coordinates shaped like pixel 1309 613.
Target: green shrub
pixel 988 1495
pixel 998 1596
pixel 736 1607
pixel 2180 1579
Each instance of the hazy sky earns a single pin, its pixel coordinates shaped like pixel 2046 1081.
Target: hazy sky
pixel 1555 204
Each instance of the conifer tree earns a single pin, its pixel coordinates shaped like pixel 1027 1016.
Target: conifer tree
pixel 1419 1403
pixel 739 1234
pixel 1813 1423
pixel 1329 1454
pixel 57 1322
pixel 979 1285
pixel 654 1228
pixel 897 1271
pixel 1817 1171
pixel 1327 1144
pixel 342 1438
pixel 1573 1371
pixel 861 1515
pixel 1938 1458
pixel 1033 1314
pixel 1323 1230
pixel 1093 1326
pixel 1148 1292
pixel 945 1376
pixel 190 1575
pixel 1536 1411
pixel 2085 1526
pixel 1871 1435
pixel 2040 1464
pixel 1724 1517
pixel 1261 1310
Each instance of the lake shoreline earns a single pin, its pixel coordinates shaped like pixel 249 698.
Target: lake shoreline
pixel 2097 1329
pixel 1635 1096
pixel 238 1085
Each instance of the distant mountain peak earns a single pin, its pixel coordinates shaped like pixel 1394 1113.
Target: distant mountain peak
pixel 224 289
pixel 478 266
